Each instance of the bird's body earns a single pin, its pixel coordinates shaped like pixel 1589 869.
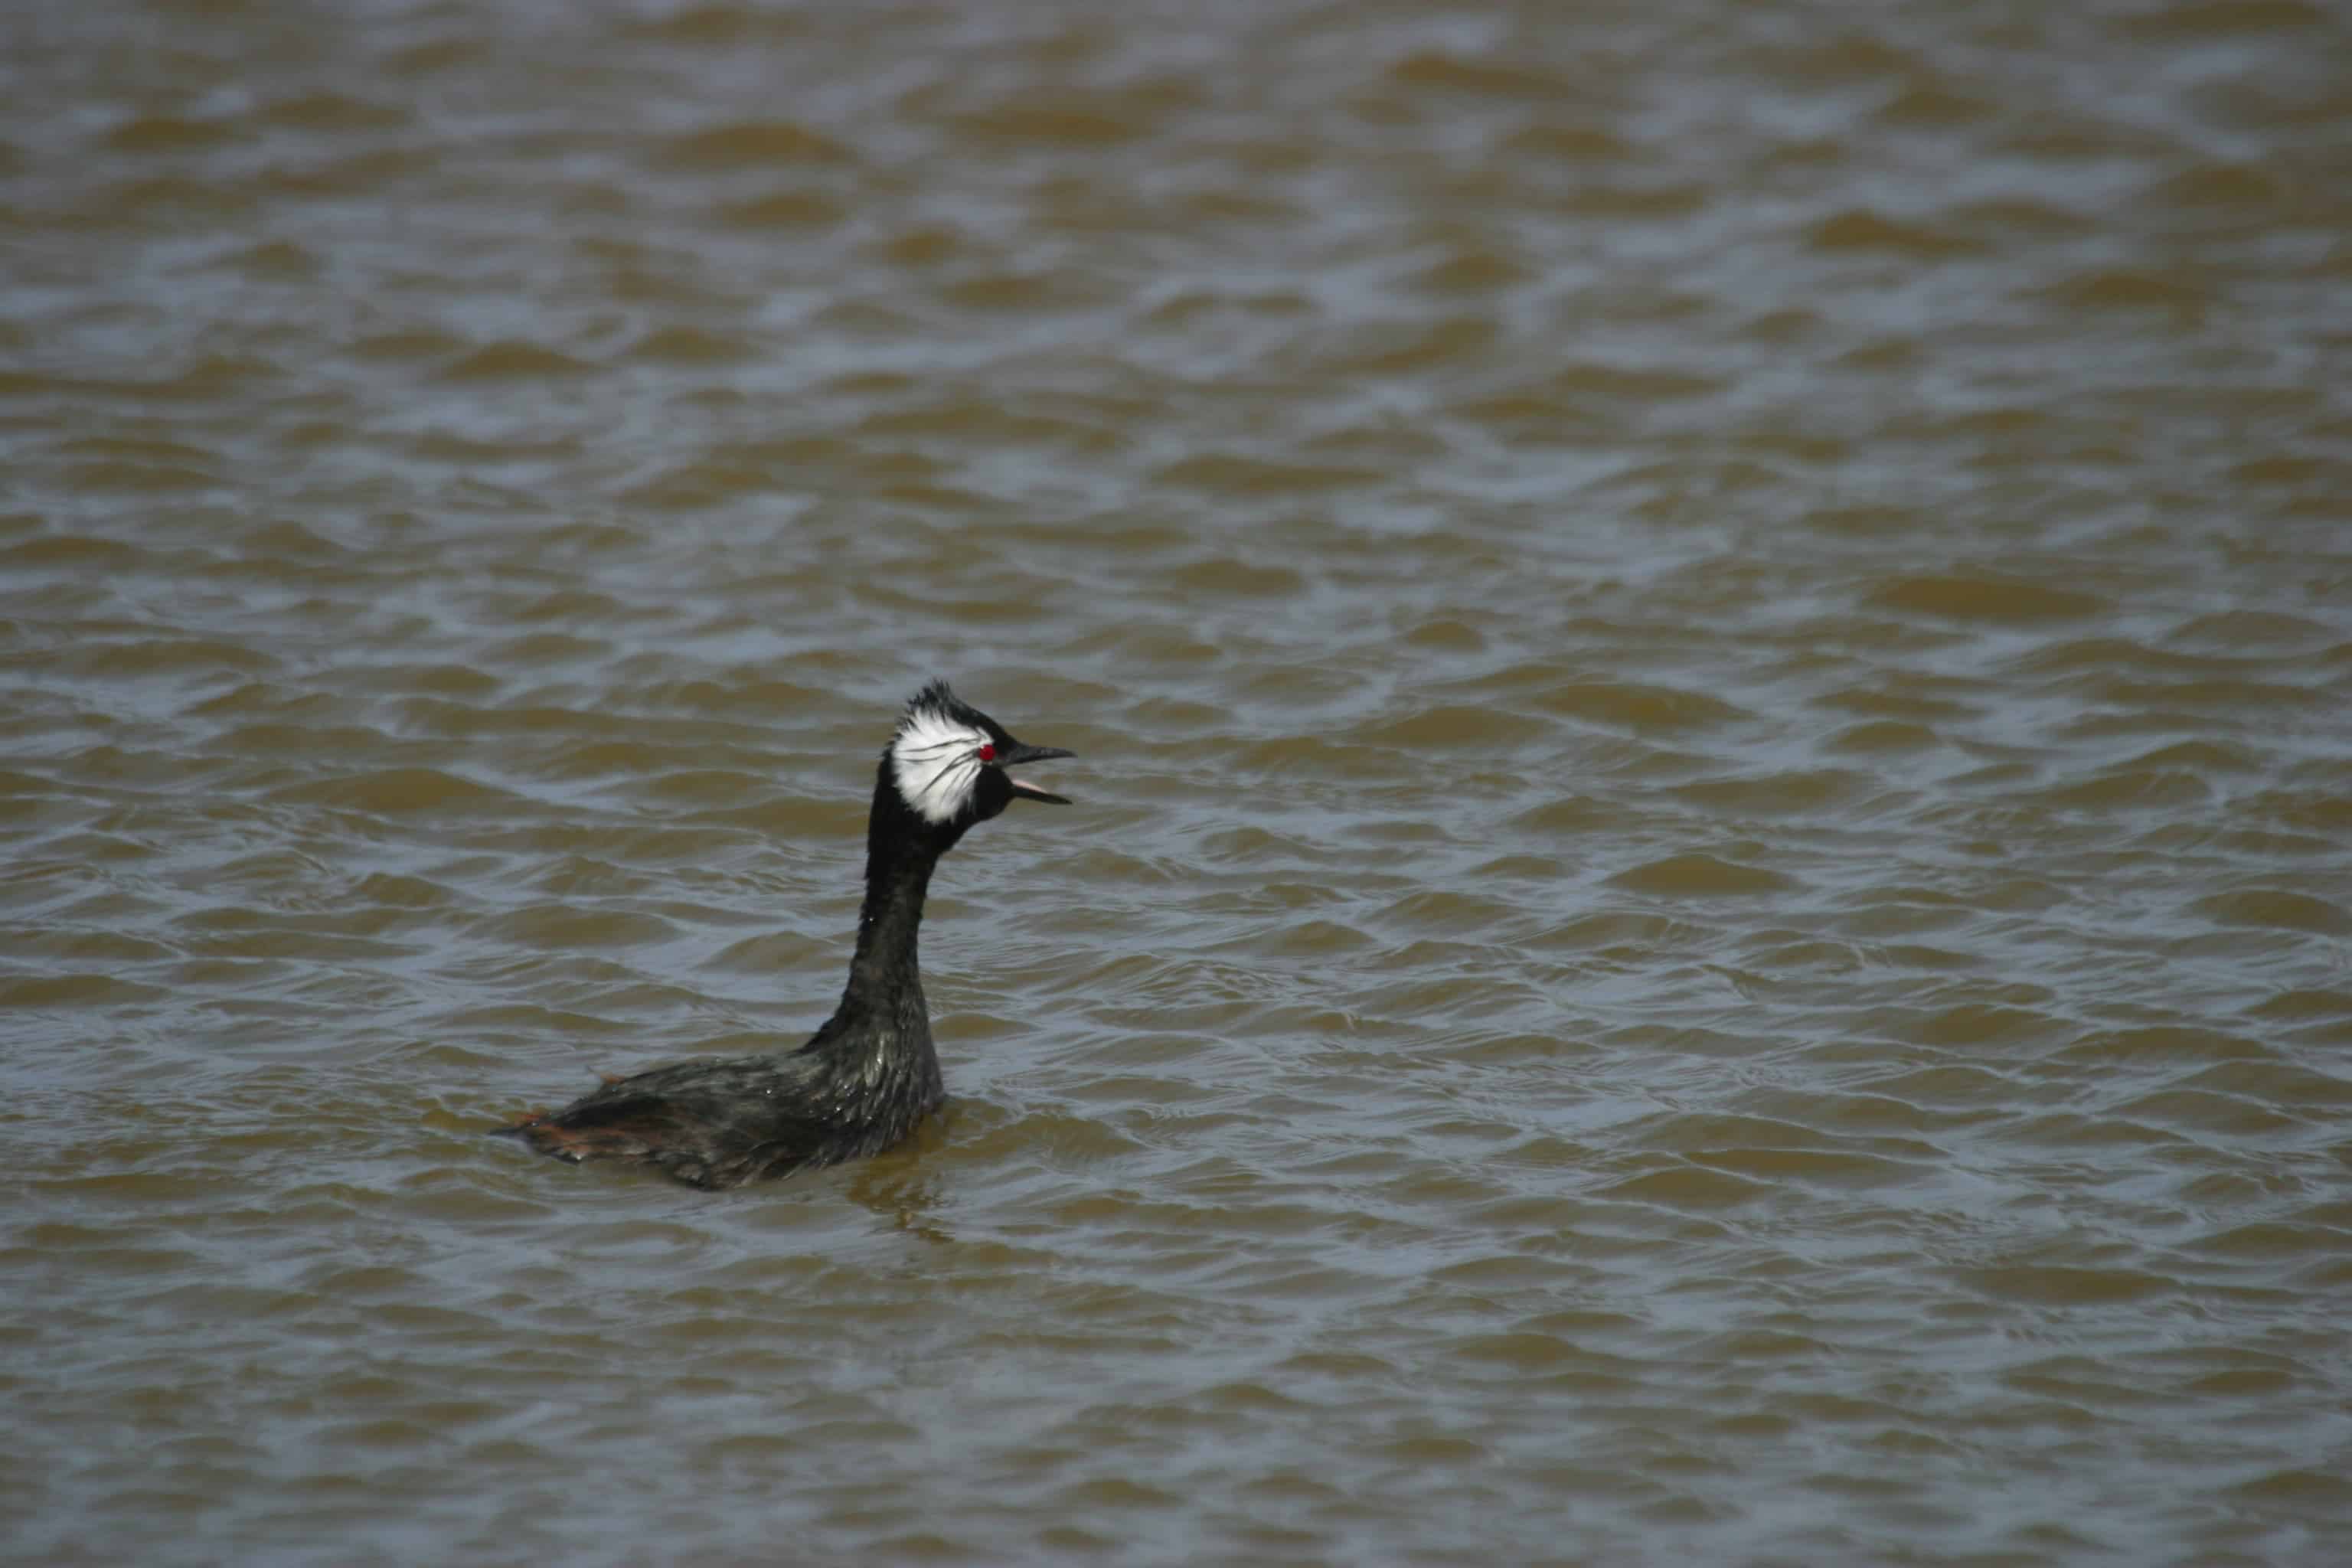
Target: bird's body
pixel 870 1075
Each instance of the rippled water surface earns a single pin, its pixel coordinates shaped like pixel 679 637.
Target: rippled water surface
pixel 1710 650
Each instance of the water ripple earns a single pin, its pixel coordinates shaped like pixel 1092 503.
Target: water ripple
pixel 1705 917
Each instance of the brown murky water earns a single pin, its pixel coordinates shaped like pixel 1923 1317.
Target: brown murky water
pixel 1710 646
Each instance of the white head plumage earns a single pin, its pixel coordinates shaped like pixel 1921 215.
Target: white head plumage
pixel 937 755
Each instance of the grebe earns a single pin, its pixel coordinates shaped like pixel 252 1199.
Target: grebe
pixel 870 1075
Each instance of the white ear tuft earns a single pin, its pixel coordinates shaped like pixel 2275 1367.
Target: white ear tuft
pixel 935 761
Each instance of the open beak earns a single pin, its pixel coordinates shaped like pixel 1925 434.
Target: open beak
pixel 1015 755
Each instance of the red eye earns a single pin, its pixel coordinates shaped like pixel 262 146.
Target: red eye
pixel 987 754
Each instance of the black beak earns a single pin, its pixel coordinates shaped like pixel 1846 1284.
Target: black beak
pixel 1017 753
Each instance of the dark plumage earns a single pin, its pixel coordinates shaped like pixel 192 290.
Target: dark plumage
pixel 868 1076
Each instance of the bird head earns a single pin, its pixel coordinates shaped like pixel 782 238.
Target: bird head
pixel 950 763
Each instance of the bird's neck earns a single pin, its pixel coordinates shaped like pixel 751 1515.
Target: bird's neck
pixel 885 986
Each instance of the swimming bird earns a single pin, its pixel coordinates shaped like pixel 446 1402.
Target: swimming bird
pixel 870 1075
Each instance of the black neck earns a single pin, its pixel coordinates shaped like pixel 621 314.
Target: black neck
pixel 901 851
